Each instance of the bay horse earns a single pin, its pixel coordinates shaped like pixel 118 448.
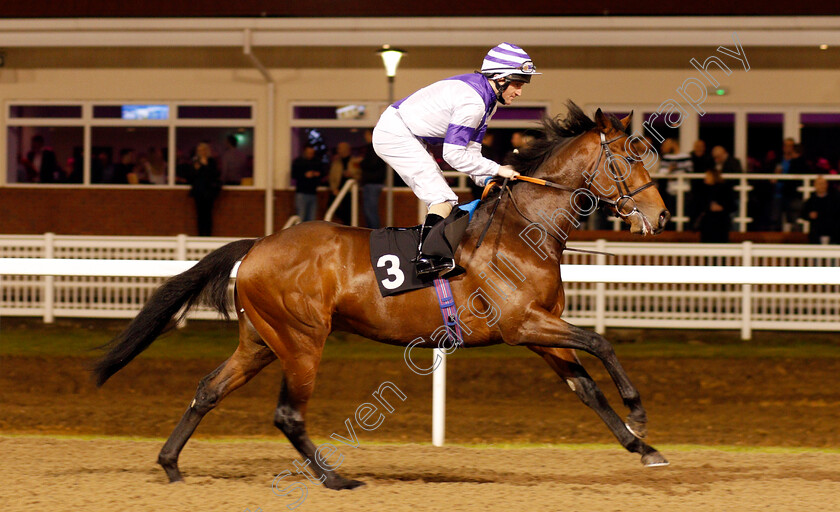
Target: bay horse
pixel 296 286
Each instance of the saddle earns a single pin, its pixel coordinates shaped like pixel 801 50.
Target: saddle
pixel 393 249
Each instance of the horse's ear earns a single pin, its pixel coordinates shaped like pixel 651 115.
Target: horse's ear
pixel 602 122
pixel 627 120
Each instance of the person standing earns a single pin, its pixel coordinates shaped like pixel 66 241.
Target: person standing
pixel 234 162
pixel 306 171
pixel 453 112
pixel 713 207
pixel 374 170
pixel 41 163
pixel 822 210
pixel 206 184
pixel 344 167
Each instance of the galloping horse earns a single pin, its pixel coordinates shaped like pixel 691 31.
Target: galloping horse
pixel 296 286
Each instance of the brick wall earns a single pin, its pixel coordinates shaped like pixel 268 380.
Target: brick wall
pixel 138 212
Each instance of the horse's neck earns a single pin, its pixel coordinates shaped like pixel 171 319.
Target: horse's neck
pixel 550 206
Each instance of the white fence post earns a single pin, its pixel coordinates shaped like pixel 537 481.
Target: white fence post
pixel 49 281
pixel 743 189
pixel 181 247
pixel 439 398
pixel 601 291
pixel 181 254
pixel 746 294
pixel 354 204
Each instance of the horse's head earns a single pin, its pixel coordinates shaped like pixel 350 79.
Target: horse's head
pixel 620 179
pixel 595 158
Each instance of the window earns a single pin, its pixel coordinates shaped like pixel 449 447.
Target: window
pixel 820 133
pixel 656 125
pixel 128 143
pixel 718 129
pixel 764 141
pixel 44 154
pixel 231 146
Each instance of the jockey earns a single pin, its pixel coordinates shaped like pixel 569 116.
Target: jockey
pixel 453 112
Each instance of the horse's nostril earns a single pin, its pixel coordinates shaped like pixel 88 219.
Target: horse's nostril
pixel 664 217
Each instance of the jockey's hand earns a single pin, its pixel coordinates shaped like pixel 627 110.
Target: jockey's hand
pixel 506 171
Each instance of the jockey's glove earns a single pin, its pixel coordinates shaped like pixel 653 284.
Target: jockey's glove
pixel 506 171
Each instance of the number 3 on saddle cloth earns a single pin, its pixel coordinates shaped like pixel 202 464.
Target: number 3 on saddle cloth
pixel 393 249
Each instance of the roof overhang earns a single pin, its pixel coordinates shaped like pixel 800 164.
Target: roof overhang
pixel 604 31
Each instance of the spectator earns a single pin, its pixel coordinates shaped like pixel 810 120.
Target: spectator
pixel 344 167
pixel 701 161
pixel 307 173
pixel 155 167
pixel 75 171
pixel 124 167
pixel 101 169
pixel 714 204
pixel 787 202
pixel 41 163
pixel 822 211
pixel 373 179
pixel 724 162
pixel 234 163
pixel 140 172
pixel 206 184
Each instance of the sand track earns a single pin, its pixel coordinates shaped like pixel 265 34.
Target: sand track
pixel 762 402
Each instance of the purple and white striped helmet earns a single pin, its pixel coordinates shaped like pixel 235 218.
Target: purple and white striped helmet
pixel 508 60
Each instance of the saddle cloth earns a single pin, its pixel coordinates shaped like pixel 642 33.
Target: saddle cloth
pixel 392 249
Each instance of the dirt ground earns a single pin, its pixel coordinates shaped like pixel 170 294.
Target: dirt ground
pixel 744 402
pixel 109 475
pixel 736 402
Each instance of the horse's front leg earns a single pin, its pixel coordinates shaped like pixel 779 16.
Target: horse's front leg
pixel 567 366
pixel 543 329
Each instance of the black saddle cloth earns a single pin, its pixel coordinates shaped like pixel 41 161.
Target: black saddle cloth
pixel 392 249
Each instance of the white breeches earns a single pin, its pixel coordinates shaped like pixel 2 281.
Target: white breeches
pixel 407 155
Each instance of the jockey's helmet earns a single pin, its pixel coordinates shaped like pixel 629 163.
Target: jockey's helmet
pixel 507 63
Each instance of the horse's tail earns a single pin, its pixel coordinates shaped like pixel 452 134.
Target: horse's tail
pixel 207 280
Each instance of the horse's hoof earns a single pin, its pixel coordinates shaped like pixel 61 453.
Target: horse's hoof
pixel 637 429
pixel 654 459
pixel 340 483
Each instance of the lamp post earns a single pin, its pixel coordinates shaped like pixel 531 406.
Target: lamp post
pixel 391 59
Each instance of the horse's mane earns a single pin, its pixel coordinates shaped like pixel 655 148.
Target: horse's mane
pixel 555 133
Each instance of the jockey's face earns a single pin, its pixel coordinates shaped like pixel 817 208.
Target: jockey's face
pixel 513 91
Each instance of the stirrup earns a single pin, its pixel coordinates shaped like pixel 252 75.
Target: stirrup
pixel 432 265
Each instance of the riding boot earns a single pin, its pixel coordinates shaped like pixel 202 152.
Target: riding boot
pixel 427 264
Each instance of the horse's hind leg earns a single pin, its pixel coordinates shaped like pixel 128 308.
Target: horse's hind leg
pixel 250 357
pixel 566 364
pixel 298 384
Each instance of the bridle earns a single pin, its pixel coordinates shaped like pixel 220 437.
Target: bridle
pixel 625 197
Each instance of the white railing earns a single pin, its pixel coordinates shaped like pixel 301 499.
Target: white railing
pixel 350 187
pixel 292 221
pixel 601 305
pixel 49 296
